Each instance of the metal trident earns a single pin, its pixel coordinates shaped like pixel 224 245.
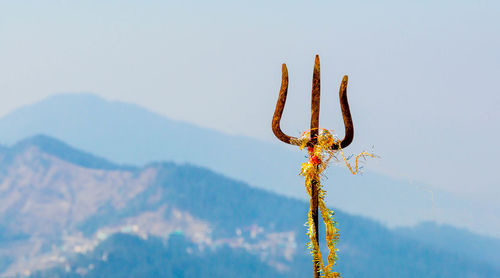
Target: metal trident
pixel 349 129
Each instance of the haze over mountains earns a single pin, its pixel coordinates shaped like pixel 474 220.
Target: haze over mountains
pixel 67 213
pixel 129 134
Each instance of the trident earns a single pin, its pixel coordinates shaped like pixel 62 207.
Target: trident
pixel 349 129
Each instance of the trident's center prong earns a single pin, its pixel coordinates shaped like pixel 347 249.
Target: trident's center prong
pixel 315 102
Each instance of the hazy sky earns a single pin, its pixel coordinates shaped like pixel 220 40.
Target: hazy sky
pixel 424 75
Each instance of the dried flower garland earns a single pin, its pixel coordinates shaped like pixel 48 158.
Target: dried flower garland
pixel 319 157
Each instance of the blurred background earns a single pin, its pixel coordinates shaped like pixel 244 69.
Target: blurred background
pixel 136 137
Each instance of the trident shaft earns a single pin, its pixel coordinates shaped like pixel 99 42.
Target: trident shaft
pixel 315 103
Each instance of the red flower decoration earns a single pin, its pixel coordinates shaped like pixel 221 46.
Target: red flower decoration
pixel 315 160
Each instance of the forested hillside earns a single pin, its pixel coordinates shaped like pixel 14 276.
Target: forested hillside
pixel 68 212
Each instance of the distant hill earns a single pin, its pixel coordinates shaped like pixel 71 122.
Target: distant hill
pixel 125 255
pixel 457 241
pixel 68 217
pixel 128 134
pixel 65 152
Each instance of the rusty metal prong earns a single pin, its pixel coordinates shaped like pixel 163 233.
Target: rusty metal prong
pixel 346 114
pixel 315 189
pixel 280 105
pixel 315 99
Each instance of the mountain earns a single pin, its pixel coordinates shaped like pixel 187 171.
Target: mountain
pixel 129 134
pixel 456 241
pixel 126 255
pixel 67 213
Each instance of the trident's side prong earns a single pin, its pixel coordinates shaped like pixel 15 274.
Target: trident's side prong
pixel 346 114
pixel 315 104
pixel 280 105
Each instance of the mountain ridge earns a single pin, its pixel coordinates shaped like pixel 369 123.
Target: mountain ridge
pixel 68 153
pixel 214 210
pixel 128 134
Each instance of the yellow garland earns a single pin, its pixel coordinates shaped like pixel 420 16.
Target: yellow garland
pixel 319 157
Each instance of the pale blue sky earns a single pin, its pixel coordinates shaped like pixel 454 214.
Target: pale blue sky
pixel 424 75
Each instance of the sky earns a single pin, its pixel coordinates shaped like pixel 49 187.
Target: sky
pixel 423 75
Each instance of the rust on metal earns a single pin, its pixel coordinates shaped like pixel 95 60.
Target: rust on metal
pixel 280 106
pixel 315 102
pixel 315 105
pixel 313 141
pixel 346 114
